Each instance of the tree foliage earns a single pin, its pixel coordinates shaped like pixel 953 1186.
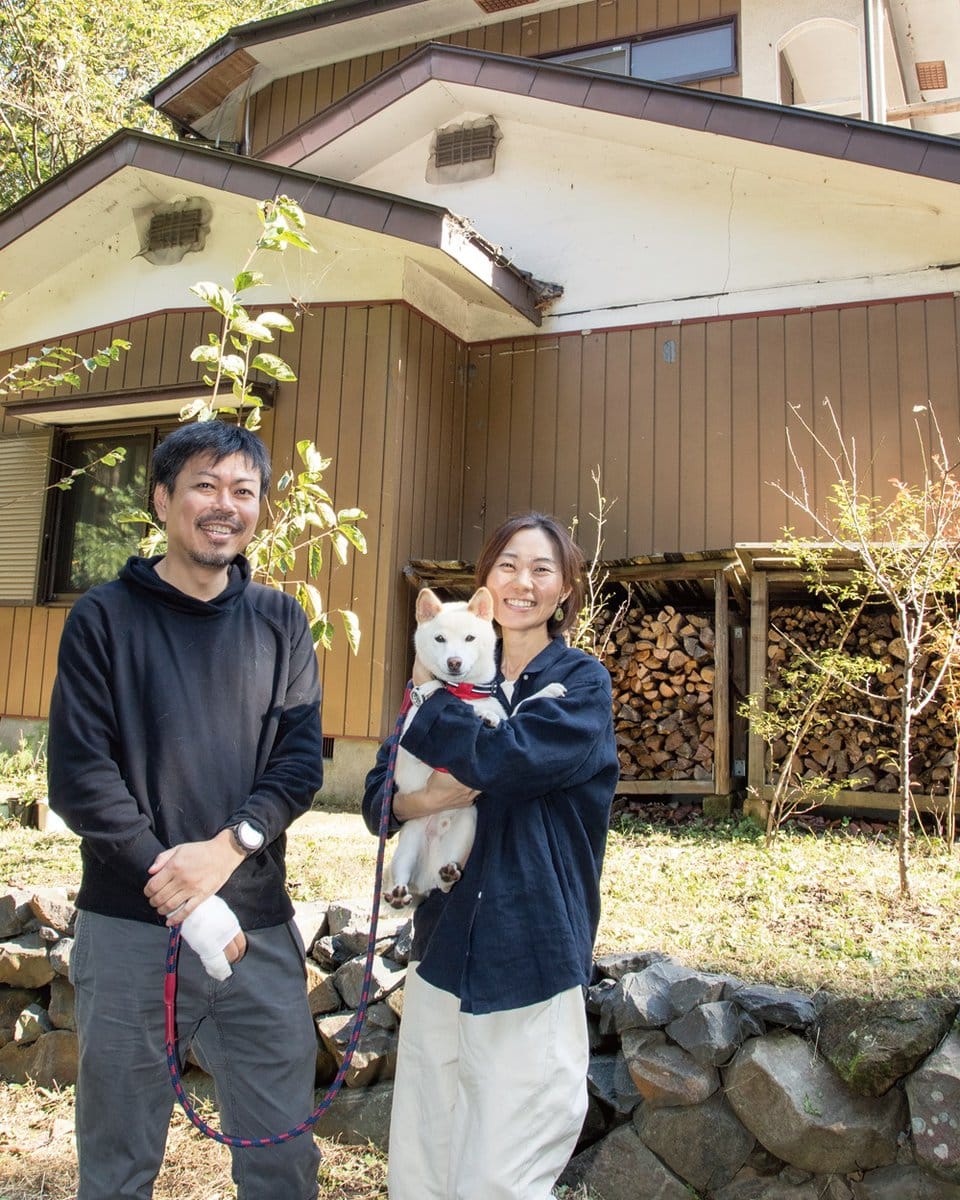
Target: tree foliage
pixel 73 73
pixel 906 554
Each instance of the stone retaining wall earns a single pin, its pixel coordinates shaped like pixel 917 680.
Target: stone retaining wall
pixel 700 1084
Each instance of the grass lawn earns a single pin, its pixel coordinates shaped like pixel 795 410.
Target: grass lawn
pixel 812 912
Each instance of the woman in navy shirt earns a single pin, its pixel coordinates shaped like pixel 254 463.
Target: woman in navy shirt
pixel 490 1092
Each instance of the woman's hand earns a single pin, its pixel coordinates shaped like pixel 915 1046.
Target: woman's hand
pixel 440 792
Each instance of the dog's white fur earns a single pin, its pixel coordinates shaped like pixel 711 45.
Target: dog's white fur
pixel 456 642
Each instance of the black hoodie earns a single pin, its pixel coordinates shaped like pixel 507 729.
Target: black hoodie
pixel 172 718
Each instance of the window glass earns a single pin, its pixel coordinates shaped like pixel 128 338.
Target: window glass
pixel 675 58
pixel 91 545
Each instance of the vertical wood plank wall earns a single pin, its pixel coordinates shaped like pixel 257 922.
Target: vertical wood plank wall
pixel 286 103
pixel 687 422
pixel 380 391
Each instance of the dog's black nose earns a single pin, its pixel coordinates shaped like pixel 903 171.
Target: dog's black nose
pixel 454 665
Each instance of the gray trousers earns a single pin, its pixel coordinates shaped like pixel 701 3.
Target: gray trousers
pixel 253 1032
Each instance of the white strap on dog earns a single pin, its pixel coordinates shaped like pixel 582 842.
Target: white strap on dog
pixel 209 929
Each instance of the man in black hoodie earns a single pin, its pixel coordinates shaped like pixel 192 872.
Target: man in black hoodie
pixel 184 739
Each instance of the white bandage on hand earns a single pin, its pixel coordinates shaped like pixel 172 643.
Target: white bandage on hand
pixel 209 929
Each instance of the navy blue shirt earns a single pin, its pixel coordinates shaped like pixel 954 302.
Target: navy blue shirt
pixel 519 926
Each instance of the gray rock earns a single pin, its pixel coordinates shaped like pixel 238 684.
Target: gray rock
pixel 375 1057
pixel 330 952
pixel 61 1007
pixel 59 956
pixel 53 908
pixel 776 1006
pixel 385 975
pixel 650 998
pixel 322 995
pixel 621 1167
pixel 24 962
pixel 609 1080
pixel 933 1091
pixel 902 1183
pixel 15 913
pixel 402 943
pixel 704 1143
pixel 51 1061
pixel 31 1025
pixel 310 919
pixel 871 1044
pixel 795 1105
pixel 665 1074
pixel 342 913
pixel 13 1001
pixel 615 966
pixel 358 1116
pixel 713 1032
pixel 765 1188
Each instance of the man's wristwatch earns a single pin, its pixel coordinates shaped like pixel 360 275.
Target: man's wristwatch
pixel 423 691
pixel 247 837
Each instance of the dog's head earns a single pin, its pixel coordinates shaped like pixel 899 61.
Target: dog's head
pixel 456 640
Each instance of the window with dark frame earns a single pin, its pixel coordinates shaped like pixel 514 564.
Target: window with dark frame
pixel 685 54
pixel 86 543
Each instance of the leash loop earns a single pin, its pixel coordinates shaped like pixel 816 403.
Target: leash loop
pixel 170 992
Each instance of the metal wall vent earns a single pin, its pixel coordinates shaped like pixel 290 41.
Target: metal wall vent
pixel 931 75
pixel 169 231
pixel 464 145
pixel 463 152
pixel 492 6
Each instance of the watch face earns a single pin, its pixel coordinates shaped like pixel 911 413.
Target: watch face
pixel 248 837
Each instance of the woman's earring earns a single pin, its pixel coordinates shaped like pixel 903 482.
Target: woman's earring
pixel 559 614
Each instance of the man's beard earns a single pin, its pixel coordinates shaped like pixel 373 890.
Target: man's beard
pixel 211 558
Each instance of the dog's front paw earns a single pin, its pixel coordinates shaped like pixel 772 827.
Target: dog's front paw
pixel 556 690
pixel 449 874
pixel 399 896
pixel 490 719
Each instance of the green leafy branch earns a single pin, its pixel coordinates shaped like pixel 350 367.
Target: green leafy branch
pixel 233 353
pixel 304 516
pixel 64 365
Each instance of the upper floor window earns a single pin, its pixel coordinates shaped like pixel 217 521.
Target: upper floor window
pixel 682 55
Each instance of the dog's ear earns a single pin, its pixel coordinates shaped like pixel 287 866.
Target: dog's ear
pixel 481 604
pixel 428 605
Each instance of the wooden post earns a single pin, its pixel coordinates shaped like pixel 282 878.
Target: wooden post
pixel 721 686
pixel 756 747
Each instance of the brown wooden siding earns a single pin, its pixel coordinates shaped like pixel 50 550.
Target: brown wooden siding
pixel 288 102
pixel 687 422
pixel 380 391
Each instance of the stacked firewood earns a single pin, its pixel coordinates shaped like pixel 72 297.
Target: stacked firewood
pixel 854 740
pixel 662 669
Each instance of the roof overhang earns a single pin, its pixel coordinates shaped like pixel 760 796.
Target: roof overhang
pixel 590 101
pixel 373 246
pixel 327 33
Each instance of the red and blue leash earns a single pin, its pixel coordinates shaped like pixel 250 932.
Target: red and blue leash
pixel 170 993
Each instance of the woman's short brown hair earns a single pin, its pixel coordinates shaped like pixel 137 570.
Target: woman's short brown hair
pixel 569 558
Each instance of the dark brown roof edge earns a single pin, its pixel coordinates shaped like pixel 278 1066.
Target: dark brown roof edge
pixel 334 12
pixel 912 152
pixel 362 208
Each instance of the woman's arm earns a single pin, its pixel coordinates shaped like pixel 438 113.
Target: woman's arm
pixel 441 791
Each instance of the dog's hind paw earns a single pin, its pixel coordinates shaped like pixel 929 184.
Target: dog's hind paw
pixel 449 874
pixel 398 897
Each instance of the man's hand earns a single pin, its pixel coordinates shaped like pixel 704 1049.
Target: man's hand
pixel 186 875
pixel 441 791
pixel 213 932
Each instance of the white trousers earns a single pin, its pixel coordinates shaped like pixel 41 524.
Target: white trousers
pixel 485 1107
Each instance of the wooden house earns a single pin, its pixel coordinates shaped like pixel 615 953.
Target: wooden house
pixel 553 236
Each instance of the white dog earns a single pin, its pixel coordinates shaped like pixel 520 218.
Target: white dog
pixel 456 642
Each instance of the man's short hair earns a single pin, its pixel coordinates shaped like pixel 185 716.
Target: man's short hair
pixel 215 439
